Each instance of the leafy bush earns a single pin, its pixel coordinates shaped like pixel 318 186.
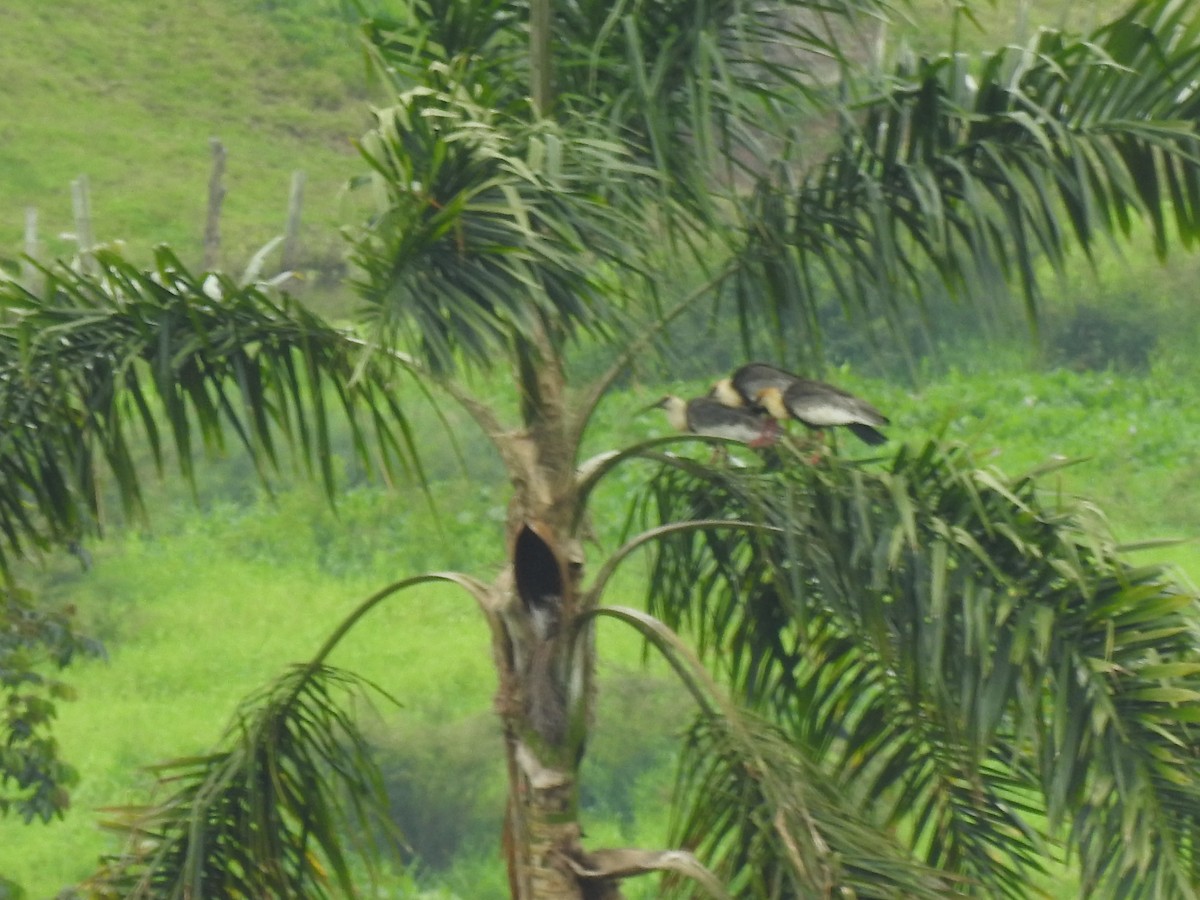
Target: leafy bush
pixel 445 787
pixel 34 780
pixel 1100 338
pixel 629 767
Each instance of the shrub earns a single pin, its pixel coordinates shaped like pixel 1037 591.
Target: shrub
pixel 1099 338
pixel 445 787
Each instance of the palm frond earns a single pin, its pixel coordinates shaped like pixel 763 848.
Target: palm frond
pixel 284 805
pixel 967 662
pixel 756 811
pixel 445 43
pixel 704 90
pixel 489 232
pixel 657 105
pixel 973 173
pixel 769 823
pixel 183 362
pixel 268 816
pixel 622 61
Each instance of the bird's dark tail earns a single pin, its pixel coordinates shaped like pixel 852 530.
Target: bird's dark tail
pixel 867 434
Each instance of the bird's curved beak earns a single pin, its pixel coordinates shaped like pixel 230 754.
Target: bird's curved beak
pixel 657 404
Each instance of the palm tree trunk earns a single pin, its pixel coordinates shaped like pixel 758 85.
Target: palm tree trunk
pixel 543 702
pixel 542 831
pixel 545 673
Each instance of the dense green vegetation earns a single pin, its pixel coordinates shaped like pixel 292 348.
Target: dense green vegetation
pixel 165 600
pixel 165 603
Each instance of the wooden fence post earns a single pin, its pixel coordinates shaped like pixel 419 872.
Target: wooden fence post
pixel 216 195
pixel 291 234
pixel 31 276
pixel 81 205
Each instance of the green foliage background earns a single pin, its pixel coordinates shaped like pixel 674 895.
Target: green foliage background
pixel 211 602
pixel 214 602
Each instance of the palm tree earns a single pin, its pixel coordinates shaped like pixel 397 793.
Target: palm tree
pixel 913 677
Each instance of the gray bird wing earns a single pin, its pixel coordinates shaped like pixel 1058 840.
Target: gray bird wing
pixel 822 405
pixel 753 378
pixel 709 417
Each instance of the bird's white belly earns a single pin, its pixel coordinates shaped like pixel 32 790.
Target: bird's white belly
pixel 824 415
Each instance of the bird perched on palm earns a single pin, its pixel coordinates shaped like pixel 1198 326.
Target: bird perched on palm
pixel 815 404
pixel 706 416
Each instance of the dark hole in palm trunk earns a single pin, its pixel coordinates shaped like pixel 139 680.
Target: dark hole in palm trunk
pixel 539 579
pixel 540 583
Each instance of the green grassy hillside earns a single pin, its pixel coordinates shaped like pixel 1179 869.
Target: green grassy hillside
pixel 130 94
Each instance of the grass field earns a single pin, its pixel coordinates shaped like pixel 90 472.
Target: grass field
pixel 130 96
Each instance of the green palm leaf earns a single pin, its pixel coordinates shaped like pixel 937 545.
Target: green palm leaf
pixel 282 807
pixel 768 823
pixel 753 807
pixel 966 662
pixel 183 362
pixel 974 172
pixel 269 816
pixel 491 232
